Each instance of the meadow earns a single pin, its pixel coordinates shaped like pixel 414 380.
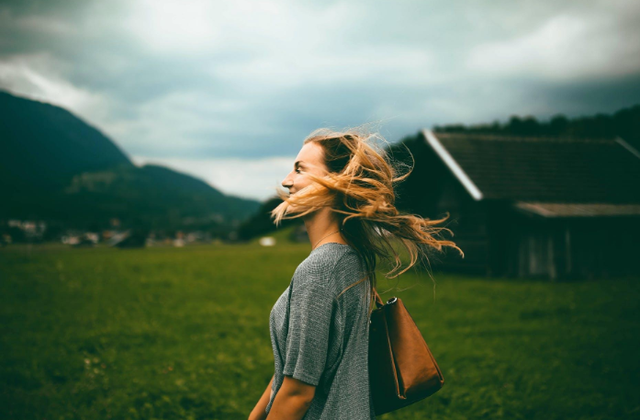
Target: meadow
pixel 182 333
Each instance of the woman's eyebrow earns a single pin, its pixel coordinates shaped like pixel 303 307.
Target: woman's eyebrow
pixel 298 163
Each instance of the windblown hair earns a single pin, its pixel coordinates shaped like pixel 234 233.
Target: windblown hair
pixel 359 189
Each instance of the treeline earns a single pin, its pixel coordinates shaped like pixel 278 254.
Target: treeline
pixel 624 123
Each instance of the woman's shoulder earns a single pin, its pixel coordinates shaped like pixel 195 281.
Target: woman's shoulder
pixel 329 264
pixel 328 256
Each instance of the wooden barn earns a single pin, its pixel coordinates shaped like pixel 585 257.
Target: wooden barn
pixel 554 208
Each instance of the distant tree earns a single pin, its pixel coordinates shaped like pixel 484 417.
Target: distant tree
pixel 17 235
pixel 557 125
pixel 453 128
pixel 53 232
pixel 514 126
pixel 530 126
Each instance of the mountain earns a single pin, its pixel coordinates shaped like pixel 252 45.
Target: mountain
pixel 54 166
pixel 42 146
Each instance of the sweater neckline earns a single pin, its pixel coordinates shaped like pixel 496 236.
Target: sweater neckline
pixel 331 243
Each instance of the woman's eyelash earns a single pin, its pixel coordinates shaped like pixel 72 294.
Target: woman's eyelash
pixel 297 170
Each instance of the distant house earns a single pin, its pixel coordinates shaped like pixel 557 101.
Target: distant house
pixel 536 207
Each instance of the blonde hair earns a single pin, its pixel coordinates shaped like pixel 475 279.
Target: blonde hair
pixel 359 189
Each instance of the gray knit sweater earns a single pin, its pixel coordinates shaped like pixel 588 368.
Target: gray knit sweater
pixel 324 341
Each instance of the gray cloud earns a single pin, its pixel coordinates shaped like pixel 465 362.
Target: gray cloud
pixel 250 79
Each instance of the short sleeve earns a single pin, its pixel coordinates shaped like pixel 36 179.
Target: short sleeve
pixel 311 310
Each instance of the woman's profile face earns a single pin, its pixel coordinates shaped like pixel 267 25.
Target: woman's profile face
pixel 309 160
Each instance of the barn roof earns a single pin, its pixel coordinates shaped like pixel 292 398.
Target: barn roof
pixel 541 170
pixel 578 210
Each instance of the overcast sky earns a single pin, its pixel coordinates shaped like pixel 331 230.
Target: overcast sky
pixel 227 90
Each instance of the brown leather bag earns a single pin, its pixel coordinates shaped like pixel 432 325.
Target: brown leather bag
pixel 402 369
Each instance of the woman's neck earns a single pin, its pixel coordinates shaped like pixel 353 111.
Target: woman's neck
pixel 321 227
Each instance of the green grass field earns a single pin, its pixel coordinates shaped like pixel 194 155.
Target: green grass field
pixel 182 333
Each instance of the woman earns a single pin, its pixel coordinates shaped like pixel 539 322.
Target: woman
pixel 342 187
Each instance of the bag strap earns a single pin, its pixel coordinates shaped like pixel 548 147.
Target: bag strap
pixel 379 302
